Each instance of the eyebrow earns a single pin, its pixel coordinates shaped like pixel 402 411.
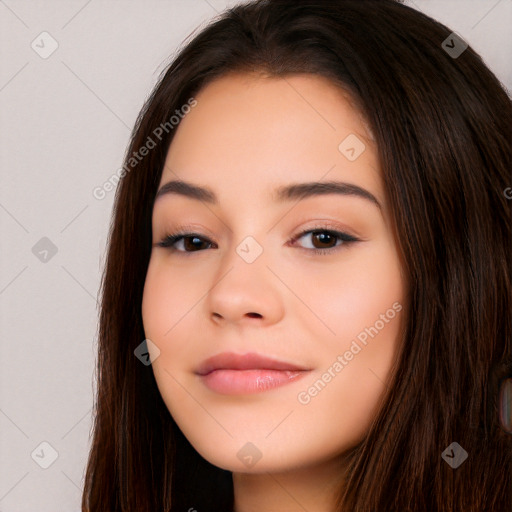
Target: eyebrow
pixel 283 193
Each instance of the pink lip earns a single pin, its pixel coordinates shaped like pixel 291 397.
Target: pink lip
pixel 231 374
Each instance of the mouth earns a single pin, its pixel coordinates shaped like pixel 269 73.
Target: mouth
pixel 232 374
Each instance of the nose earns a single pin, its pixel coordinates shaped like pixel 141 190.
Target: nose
pixel 245 292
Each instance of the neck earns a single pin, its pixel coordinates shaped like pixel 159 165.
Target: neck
pixel 306 489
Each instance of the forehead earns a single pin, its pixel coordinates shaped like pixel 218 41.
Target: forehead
pixel 258 132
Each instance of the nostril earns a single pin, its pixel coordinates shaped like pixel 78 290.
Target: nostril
pixel 254 315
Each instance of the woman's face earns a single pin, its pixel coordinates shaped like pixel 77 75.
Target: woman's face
pixel 249 281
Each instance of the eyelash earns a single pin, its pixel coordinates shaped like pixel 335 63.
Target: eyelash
pixel 170 239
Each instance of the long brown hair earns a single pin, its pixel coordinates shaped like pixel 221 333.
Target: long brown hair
pixel 442 125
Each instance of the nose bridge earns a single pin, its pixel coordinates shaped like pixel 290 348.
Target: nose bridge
pixel 250 249
pixel 249 235
pixel 245 260
pixel 245 287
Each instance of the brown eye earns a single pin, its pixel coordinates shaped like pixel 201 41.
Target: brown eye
pixel 324 240
pixel 191 242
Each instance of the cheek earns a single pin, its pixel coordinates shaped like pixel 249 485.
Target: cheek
pixel 167 301
pixel 168 296
pixel 353 295
pixel 362 303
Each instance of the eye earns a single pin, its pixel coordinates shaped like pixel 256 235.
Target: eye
pixel 325 240
pixel 191 242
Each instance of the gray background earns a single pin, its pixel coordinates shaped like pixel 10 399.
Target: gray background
pixel 64 127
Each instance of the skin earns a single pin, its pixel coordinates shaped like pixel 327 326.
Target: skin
pixel 248 135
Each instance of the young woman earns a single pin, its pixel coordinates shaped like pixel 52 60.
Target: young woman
pixel 311 245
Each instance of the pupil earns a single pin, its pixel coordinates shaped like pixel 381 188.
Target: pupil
pixel 323 237
pixel 189 242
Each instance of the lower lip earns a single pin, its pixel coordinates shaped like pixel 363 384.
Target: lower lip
pixel 235 382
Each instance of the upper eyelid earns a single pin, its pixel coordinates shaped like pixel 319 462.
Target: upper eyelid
pixel 326 225
pixel 192 231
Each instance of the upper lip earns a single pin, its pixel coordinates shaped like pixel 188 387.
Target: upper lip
pixel 250 361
